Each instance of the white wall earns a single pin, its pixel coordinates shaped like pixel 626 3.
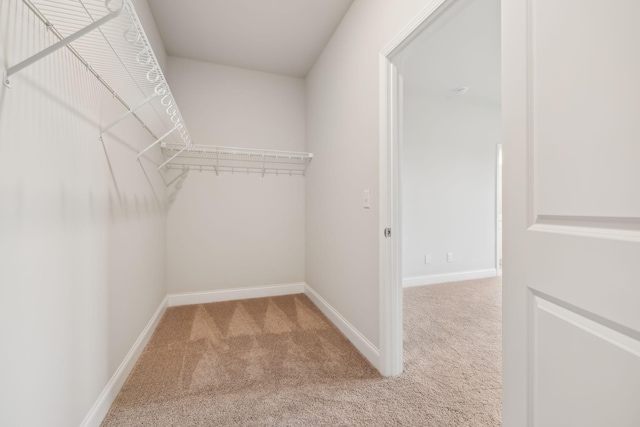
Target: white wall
pixel 342 252
pixel 237 230
pixel 82 234
pixel 448 185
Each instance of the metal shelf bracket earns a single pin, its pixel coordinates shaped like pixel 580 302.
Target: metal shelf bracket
pixel 5 80
pixel 157 141
pixel 128 113
pixel 172 157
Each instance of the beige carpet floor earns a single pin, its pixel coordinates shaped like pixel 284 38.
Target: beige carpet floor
pixel 279 362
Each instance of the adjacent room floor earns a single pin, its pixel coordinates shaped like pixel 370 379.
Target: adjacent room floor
pixel 279 362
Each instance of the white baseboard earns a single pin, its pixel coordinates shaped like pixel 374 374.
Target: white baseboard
pixel 234 294
pixel 448 277
pixel 111 390
pixel 368 350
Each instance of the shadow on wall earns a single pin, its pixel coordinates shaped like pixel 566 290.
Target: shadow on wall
pixel 77 115
pixel 82 232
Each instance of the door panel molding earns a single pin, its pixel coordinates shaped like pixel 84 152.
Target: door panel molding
pixel 572 213
pixel 614 333
pixel 569 345
pixel 624 229
pixel 611 227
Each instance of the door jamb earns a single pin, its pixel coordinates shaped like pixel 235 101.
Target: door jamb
pixel 390 248
pixel 499 178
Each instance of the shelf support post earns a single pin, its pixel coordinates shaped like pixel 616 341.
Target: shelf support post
pixel 157 141
pixel 172 157
pixel 60 44
pixel 306 164
pixel 127 114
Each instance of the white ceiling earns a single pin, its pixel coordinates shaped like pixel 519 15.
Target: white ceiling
pixel 461 48
pixel 278 36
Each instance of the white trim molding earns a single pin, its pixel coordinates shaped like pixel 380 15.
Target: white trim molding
pixel 596 233
pixel 410 31
pixel 612 228
pixel 390 249
pixel 433 279
pixel 100 408
pixel 205 297
pixel 364 346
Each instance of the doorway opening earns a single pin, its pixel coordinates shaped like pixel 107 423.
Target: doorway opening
pixel 440 157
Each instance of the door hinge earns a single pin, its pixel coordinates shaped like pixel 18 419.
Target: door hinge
pixel 387 232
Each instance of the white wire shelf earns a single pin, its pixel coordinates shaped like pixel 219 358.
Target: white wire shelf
pixel 235 160
pixel 108 38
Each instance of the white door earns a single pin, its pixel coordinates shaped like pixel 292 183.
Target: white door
pixel 571 110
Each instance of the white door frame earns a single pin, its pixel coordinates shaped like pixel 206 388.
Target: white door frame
pixel 390 192
pixel 499 194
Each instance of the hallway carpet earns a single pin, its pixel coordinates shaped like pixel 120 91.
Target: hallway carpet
pixel 279 362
